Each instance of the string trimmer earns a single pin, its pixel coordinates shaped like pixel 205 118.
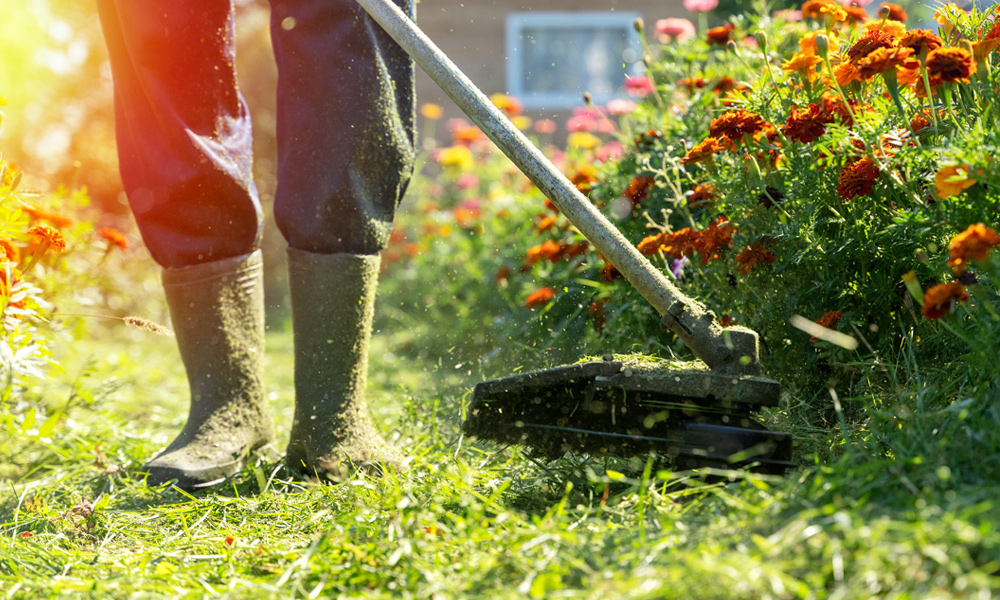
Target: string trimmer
pixel 700 416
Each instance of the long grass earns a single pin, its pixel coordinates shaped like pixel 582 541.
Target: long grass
pixel 466 521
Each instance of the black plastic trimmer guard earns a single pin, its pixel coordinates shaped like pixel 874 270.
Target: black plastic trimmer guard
pixel 696 417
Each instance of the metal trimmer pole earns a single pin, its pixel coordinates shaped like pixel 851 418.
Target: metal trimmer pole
pixel 684 316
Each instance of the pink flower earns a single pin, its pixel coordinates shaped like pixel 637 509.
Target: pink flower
pixel 620 106
pixel 581 123
pixel 639 86
pixel 789 15
pixel 545 126
pixel 674 29
pixel 467 181
pixel 588 111
pixel 700 5
pixel 610 151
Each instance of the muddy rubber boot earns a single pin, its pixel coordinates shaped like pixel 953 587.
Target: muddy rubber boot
pixel 332 298
pixel 217 311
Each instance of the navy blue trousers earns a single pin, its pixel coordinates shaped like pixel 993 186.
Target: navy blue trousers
pixel 345 127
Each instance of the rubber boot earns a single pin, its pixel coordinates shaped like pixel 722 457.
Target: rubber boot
pixel 217 310
pixel 332 298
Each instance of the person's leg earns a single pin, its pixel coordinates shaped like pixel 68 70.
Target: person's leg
pixel 345 154
pixel 184 143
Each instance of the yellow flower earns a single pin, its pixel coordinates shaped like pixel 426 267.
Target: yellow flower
pixel 522 122
pixel 583 140
pixel 893 28
pixel 456 157
pixel 952 180
pixel 431 111
pixel 803 64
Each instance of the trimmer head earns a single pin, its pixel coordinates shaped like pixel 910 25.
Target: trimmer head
pixel 629 407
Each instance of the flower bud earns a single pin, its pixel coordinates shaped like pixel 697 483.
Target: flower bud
pixel 761 37
pixel 638 25
pixel 587 99
pixel 822 45
pixel 731 46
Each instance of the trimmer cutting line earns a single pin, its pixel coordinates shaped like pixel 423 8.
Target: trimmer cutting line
pixel 700 415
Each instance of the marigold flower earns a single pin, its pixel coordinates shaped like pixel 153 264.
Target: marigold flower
pixel 830 320
pixel 701 195
pixel 972 244
pixel 42 215
pixel 733 125
pixel 952 180
pixel 510 105
pixel 48 236
pixel 6 289
pixel 950 64
pixel 710 241
pixel 546 223
pixel 919 122
pixel 939 300
pixel 539 297
pixel 807 43
pixel 431 111
pixel 584 179
pixel 805 125
pixel 880 60
pixel 804 64
pixel 895 12
pixel 845 73
pixel 702 151
pixel 821 9
pixel 982 48
pixel 638 189
pixel 754 253
pixel 857 178
pixel 854 14
pixel 691 84
pixel 114 237
pixel 719 36
pixel 892 28
pixel 921 41
pixel 723 86
pixel 10 251
pixel 834 108
pixel 868 43
pixel 548 249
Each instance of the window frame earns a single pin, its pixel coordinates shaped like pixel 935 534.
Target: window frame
pixel 517 22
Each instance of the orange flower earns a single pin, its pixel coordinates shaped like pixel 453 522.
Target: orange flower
pixel 805 125
pixel 868 43
pixel 638 188
pixel 431 111
pixel 703 151
pixel 546 250
pixel 733 125
pixel 712 240
pixel 723 86
pixel 539 297
pixel 821 9
pixel 5 289
pixel 892 28
pixel 719 36
pixel 691 84
pixel 919 122
pixel 939 300
pixel 546 223
pixel 972 244
pixel 755 252
pixel 10 251
pixel 855 14
pixel 510 105
pixel 701 195
pixel 804 64
pixel 845 73
pixel 880 60
pixel 584 179
pixel 48 238
pixel 466 134
pixel 895 12
pixel 950 64
pixel 114 237
pixel 42 215
pixel 830 320
pixel 952 180
pixel 807 43
pixel 857 178
pixel 989 43
pixel 921 41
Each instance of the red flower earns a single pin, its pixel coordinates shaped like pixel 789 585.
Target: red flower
pixel 539 297
pixel 719 36
pixel 939 300
pixel 857 178
pixel 950 64
pixel 754 253
pixel 734 124
pixel 830 320
pixel 806 125
pixel 638 189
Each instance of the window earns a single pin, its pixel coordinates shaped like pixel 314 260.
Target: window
pixel 554 57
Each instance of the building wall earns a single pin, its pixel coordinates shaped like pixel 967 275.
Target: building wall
pixel 471 33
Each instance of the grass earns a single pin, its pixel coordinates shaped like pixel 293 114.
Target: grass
pixel 466 521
